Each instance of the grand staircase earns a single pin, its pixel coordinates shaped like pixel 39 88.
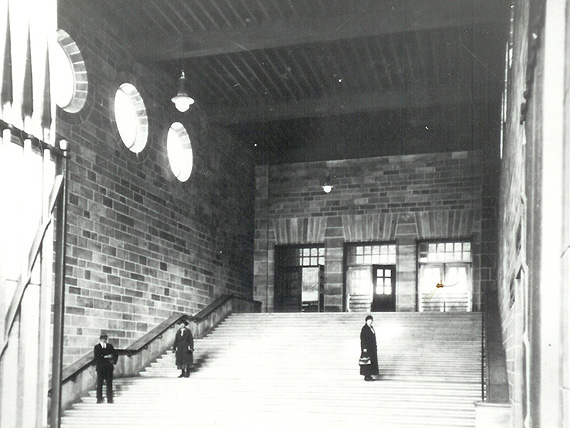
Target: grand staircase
pixel 301 370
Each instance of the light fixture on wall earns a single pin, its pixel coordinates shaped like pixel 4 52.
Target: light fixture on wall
pixel 327 186
pixel 182 100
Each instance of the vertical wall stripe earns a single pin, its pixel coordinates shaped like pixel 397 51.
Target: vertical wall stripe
pixel 445 224
pixel 299 230
pixel 369 227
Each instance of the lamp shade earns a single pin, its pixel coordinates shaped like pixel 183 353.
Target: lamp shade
pixel 327 185
pixel 182 100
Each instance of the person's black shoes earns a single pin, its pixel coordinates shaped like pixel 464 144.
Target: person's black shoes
pixel 99 401
pixel 110 401
pixel 182 375
pixel 368 378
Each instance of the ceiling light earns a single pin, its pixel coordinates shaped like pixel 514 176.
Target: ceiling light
pixel 182 100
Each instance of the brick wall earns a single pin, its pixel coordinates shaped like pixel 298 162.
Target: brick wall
pixel 396 198
pixel 141 245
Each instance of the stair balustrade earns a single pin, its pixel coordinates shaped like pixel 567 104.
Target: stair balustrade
pixel 79 377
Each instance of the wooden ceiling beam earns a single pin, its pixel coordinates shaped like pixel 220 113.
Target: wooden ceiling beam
pixel 394 99
pixel 377 18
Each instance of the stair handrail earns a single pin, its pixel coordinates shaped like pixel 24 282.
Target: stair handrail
pixel 483 347
pixel 72 371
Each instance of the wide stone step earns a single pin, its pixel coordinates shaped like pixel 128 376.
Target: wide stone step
pixel 300 370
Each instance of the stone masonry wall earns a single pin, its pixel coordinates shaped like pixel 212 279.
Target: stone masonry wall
pixel 512 285
pixel 141 245
pixel 397 198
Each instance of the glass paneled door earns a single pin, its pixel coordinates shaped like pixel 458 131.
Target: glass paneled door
pixel 312 288
pixel 384 296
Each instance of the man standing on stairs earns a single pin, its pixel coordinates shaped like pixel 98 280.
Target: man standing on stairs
pixel 184 348
pixel 105 358
pixel 368 348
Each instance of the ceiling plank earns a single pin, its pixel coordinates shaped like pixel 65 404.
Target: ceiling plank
pixel 377 18
pixel 396 58
pixel 394 99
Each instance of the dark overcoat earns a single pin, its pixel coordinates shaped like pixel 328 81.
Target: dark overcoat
pixel 184 348
pixel 105 359
pixel 368 342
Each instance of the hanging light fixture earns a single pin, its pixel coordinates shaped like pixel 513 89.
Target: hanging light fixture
pixel 327 186
pixel 182 100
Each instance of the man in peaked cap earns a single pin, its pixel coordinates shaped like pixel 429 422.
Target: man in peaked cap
pixel 105 358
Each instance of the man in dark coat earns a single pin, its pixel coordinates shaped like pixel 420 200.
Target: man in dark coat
pixel 184 348
pixel 105 358
pixel 368 348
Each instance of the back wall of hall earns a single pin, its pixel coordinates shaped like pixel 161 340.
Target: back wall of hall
pixel 401 199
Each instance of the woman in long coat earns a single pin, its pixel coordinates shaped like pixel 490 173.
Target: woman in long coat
pixel 184 348
pixel 368 348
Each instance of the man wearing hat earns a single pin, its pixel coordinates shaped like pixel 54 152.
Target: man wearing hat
pixel 105 358
pixel 184 348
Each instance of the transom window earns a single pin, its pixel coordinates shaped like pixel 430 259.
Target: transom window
pixel 372 254
pixel 306 256
pixel 438 252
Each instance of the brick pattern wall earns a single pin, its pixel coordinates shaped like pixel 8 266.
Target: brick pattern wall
pixel 141 245
pixel 404 198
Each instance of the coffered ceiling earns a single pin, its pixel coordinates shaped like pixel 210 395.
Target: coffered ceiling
pixel 261 66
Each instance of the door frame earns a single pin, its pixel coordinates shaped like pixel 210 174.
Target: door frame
pixel 375 268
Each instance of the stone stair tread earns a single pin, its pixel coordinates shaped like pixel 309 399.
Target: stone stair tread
pixel 430 375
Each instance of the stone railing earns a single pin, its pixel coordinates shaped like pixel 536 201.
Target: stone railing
pixel 79 377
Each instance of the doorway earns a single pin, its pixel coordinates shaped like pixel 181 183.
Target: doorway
pixel 370 277
pixel 299 279
pixel 384 294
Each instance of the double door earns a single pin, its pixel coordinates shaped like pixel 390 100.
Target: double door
pixel 445 287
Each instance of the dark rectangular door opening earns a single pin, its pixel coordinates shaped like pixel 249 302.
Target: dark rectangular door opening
pixel 288 290
pixel 384 295
pixel 299 279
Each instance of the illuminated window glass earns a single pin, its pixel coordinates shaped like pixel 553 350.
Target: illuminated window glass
pixel 179 151
pixel 131 118
pixel 444 252
pixel 372 254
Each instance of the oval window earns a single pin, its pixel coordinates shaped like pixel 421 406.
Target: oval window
pixel 179 150
pixel 66 61
pixel 131 118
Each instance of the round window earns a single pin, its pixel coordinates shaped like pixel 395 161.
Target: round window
pixel 179 151
pixel 130 115
pixel 70 87
pixel 65 82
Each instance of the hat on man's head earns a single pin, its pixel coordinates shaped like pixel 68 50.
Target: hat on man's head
pixel 184 322
pixel 103 336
